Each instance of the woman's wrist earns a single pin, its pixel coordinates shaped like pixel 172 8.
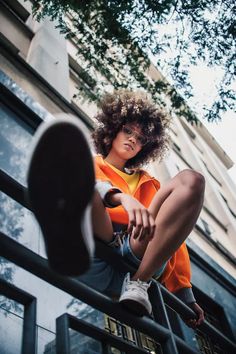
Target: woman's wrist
pixel 114 198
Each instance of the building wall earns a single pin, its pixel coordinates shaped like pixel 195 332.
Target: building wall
pixel 40 67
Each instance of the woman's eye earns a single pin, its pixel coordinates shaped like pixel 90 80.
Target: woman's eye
pixel 128 131
pixel 142 140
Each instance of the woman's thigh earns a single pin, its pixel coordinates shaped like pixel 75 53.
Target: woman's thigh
pixel 161 195
pixel 189 180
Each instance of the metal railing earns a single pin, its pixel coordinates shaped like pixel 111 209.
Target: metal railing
pixel 158 328
pixel 29 321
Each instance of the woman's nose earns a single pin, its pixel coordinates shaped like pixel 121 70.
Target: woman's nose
pixel 133 138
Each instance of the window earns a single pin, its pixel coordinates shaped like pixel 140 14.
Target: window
pixel 215 315
pixel 211 174
pixel 206 345
pixel 178 151
pixel 15 139
pixel 176 148
pixel 18 9
pixel 226 202
pixel 205 227
pixel 80 74
pixel 173 131
pixel 131 335
pixel 16 35
pixel 11 326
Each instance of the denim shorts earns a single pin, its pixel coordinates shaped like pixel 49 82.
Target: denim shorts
pixel 103 277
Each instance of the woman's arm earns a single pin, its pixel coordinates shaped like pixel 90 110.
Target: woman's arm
pixel 141 222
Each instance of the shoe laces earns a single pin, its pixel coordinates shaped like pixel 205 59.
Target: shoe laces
pixel 118 239
pixel 134 284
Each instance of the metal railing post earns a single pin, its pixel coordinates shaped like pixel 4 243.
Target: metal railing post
pixel 29 321
pixel 62 335
pixel 29 328
pixel 160 316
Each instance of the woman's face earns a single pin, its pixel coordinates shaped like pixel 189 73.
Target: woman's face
pixel 128 142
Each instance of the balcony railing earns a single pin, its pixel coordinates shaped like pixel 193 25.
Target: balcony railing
pixel 158 328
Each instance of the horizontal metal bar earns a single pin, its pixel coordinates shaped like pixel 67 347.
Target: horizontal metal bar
pixel 38 266
pixel 176 304
pixel 183 347
pixel 103 336
pixel 219 337
pixel 13 189
pixel 14 293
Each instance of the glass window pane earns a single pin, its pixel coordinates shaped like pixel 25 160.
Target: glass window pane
pixel 46 341
pixel 11 332
pixel 82 344
pixel 20 224
pixel 15 139
pixel 9 305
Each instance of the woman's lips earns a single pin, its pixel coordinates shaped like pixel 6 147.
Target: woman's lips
pixel 129 146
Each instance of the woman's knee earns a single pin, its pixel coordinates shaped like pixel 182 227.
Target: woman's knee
pixel 192 180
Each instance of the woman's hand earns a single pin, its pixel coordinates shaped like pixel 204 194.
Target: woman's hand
pixel 194 323
pixel 141 222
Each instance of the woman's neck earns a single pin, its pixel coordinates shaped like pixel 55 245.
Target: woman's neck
pixel 116 161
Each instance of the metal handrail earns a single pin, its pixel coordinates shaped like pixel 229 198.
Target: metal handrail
pixel 37 265
pixel 66 321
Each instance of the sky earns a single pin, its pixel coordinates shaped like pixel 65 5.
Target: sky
pixel 204 81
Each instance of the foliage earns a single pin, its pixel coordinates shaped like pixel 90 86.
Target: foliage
pixel 116 38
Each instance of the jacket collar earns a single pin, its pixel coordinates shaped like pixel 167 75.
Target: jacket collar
pixel 144 176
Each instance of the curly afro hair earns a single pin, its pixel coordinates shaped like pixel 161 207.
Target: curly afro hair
pixel 122 107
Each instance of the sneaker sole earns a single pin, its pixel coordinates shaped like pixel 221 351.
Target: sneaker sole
pixel 135 307
pixel 60 186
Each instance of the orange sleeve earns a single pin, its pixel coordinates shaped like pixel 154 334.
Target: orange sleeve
pixel 99 174
pixel 180 275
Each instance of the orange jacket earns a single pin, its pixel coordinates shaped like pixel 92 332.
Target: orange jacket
pixel 177 272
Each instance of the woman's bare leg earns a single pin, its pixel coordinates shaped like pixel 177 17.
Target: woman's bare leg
pixel 102 226
pixel 175 208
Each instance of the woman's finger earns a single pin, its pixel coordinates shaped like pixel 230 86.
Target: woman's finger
pixel 199 312
pixel 145 231
pixel 132 221
pixel 152 226
pixel 138 223
pixel 191 323
pixel 200 318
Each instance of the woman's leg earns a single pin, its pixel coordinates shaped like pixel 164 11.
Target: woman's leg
pixel 175 208
pixel 102 225
pixel 61 191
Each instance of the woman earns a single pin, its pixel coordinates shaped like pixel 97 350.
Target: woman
pixel 128 207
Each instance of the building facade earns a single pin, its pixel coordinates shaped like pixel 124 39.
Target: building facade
pixel 39 78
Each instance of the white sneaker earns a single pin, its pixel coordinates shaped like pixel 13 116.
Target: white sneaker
pixel 134 296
